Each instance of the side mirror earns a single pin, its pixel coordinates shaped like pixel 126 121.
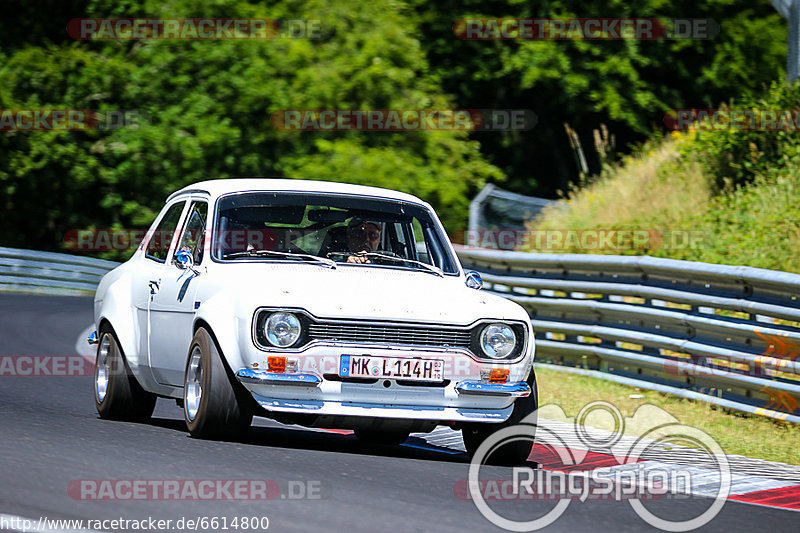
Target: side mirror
pixel 473 280
pixel 185 261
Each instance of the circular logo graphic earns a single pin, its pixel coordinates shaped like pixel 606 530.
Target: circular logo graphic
pixel 652 442
pixel 507 436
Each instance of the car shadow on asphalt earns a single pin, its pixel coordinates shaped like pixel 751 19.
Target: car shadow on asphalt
pixel 301 438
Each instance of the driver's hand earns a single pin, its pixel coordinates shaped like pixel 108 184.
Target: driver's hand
pixel 358 258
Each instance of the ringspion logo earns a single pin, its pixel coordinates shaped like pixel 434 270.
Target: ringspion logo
pixel 634 478
pixel 528 484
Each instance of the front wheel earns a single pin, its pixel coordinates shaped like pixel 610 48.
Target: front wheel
pixel 117 394
pixel 213 406
pixel 513 453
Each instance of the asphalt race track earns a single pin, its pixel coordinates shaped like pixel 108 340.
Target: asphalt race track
pixel 51 436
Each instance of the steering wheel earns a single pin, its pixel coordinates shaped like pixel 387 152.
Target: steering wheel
pixel 387 252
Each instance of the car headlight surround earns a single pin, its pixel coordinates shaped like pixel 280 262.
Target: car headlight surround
pixel 282 329
pixel 498 340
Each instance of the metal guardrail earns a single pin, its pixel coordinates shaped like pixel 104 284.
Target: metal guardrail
pixel 50 273
pixel 723 334
pixel 728 335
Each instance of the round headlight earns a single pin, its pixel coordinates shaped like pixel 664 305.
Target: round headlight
pixel 498 341
pixel 282 329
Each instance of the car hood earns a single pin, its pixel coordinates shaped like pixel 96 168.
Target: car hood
pixel 359 291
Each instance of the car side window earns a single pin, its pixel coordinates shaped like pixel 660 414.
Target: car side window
pixel 158 246
pixel 193 237
pixel 422 246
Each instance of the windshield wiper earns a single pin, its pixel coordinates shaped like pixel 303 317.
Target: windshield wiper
pixel 288 255
pixel 426 266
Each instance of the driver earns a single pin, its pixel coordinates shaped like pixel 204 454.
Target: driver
pixel 362 236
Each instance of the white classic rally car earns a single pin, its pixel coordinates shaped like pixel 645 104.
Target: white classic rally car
pixel 313 303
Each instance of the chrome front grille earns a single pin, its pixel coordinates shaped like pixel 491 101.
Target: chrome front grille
pixel 390 334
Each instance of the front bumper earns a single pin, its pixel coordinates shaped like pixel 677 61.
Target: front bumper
pixel 464 401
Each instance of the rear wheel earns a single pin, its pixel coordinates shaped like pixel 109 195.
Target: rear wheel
pixel 512 453
pixel 117 394
pixel 214 407
pixel 381 438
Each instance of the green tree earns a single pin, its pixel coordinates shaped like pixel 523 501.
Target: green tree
pixel 206 108
pixel 626 84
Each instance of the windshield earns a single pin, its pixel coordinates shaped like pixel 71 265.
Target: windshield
pixel 345 229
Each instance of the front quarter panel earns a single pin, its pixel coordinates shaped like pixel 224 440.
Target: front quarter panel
pixel 218 310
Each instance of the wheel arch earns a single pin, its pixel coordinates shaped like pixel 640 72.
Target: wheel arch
pixel 241 392
pixel 218 316
pixel 131 370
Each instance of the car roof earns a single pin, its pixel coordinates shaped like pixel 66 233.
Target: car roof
pixel 218 187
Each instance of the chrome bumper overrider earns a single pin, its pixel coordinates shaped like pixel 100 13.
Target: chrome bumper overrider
pixel 247 375
pixel 517 390
pixel 383 410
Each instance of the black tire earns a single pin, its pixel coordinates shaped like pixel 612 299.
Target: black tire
pixel 513 453
pixel 117 394
pixel 381 438
pixel 223 410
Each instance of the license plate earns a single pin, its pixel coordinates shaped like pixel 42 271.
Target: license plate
pixel 366 366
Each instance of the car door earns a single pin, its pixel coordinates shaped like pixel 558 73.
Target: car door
pixel 172 308
pixel 146 282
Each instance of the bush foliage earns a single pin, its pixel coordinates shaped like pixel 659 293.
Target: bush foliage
pixel 735 194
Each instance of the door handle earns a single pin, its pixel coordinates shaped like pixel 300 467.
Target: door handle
pixel 154 286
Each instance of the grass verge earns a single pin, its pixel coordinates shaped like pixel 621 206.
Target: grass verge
pixel 737 433
pixel 667 193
